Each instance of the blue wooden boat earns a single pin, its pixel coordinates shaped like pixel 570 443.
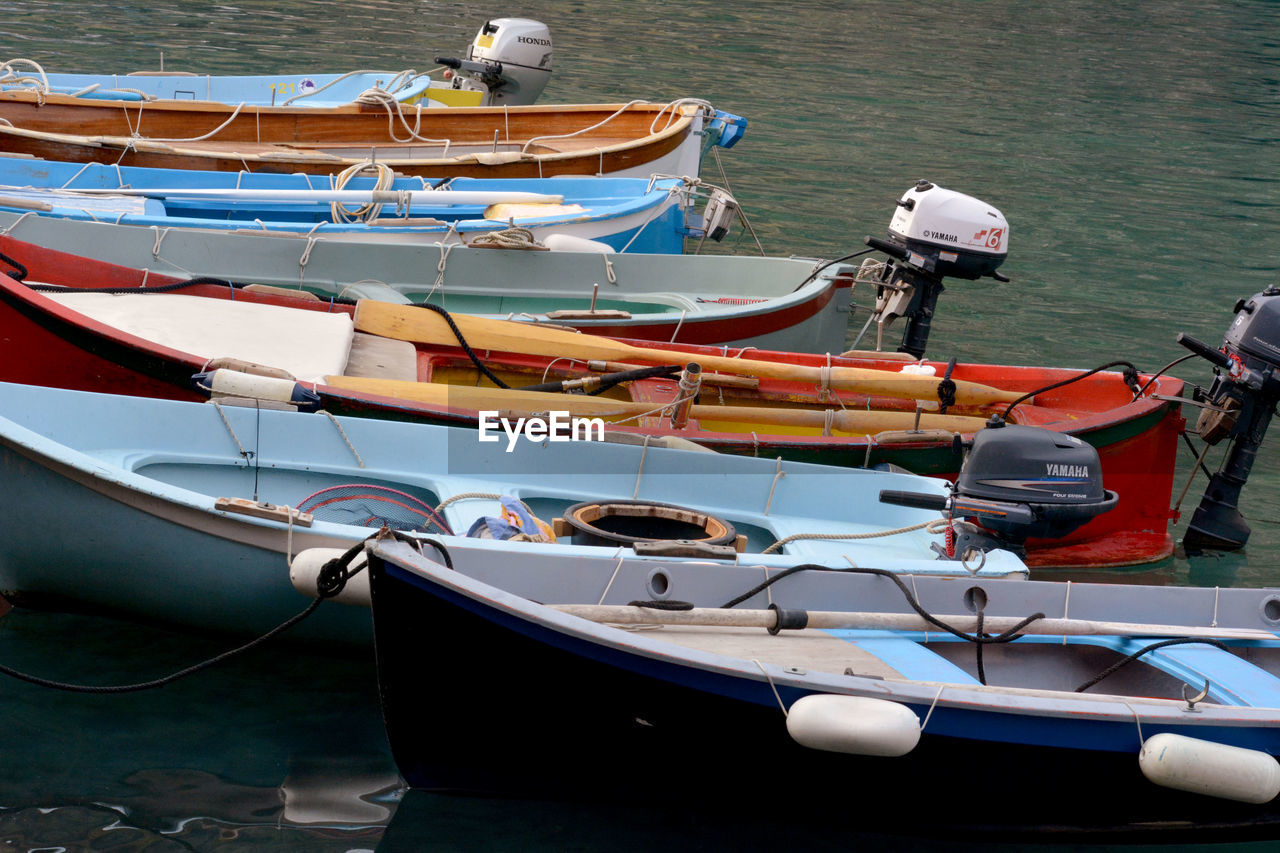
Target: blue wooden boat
pixel 838 697
pixel 508 62
pixel 635 214
pixel 303 90
pixel 190 513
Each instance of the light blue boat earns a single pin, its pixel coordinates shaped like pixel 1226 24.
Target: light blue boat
pixel 508 62
pixel 310 90
pixel 631 214
pixel 189 513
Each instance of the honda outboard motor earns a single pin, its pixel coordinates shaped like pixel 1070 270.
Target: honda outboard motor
pixel 934 233
pixel 1017 483
pixel 1245 389
pixel 509 60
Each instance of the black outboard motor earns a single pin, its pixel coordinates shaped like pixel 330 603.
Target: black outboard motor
pixel 1244 393
pixel 1016 483
pixel 934 233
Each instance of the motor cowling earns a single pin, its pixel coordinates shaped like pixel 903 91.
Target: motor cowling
pixel 934 233
pixel 509 61
pixel 949 233
pixel 1016 483
pixel 1242 401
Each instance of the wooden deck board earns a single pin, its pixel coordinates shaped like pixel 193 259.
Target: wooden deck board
pixel 807 649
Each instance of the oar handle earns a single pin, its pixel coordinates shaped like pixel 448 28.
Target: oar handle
pixel 918 500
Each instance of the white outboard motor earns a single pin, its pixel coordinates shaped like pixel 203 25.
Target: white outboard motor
pixel 934 233
pixel 509 61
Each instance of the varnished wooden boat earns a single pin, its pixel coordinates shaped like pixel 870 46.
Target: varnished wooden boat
pixel 635 139
pixel 767 404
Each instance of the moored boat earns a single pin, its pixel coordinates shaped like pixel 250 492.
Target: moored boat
pixel 508 62
pixel 769 302
pixel 635 139
pixel 851 677
pixel 370 204
pixel 758 403
pixel 191 513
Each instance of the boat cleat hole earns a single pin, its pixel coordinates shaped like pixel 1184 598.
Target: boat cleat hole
pixel 658 584
pixel 1271 610
pixel 626 523
pixel 975 599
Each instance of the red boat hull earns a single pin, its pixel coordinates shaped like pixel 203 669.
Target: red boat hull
pixel 1136 439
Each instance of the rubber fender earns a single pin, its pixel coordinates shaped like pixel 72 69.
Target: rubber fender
pixel 858 725
pixel 304 571
pixel 570 243
pixel 1214 769
pixel 233 383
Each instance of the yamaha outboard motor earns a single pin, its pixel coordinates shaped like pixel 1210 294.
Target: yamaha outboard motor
pixel 1245 389
pixel 934 233
pixel 1016 483
pixel 509 60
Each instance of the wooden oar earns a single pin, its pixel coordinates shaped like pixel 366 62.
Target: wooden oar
pixel 835 619
pixel 517 402
pixel 407 323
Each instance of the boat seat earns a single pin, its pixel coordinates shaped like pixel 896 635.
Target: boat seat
pixel 382 358
pixel 1233 680
pixel 306 344
pixel 906 656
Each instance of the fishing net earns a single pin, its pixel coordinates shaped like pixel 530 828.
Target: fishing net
pixel 369 505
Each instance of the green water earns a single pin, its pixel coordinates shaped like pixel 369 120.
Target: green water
pixel 1132 147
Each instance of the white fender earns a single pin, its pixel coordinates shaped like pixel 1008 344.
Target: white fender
pixel 570 243
pixel 305 570
pixel 233 383
pixel 854 724
pixel 1215 769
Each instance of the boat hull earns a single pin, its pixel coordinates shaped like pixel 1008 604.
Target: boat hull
pixel 671 298
pixel 153 497
pixel 471 142
pixel 1136 439
pixel 621 724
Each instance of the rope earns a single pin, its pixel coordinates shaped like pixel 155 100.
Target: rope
pixel 398 82
pixel 778 474
pixel 246 454
pixel 508 238
pixel 172 677
pixel 365 212
pixel 525 148
pixel 934 526
pixel 462 342
pixel 1177 641
pixel 378 97
pixel 136 133
pixel 772 687
pixel 343 433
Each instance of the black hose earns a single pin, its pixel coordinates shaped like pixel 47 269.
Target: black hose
pixel 1130 378
pixel 609 380
pixel 1007 636
pixel 1151 648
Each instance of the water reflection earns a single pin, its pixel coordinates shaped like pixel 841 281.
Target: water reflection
pixel 284 744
